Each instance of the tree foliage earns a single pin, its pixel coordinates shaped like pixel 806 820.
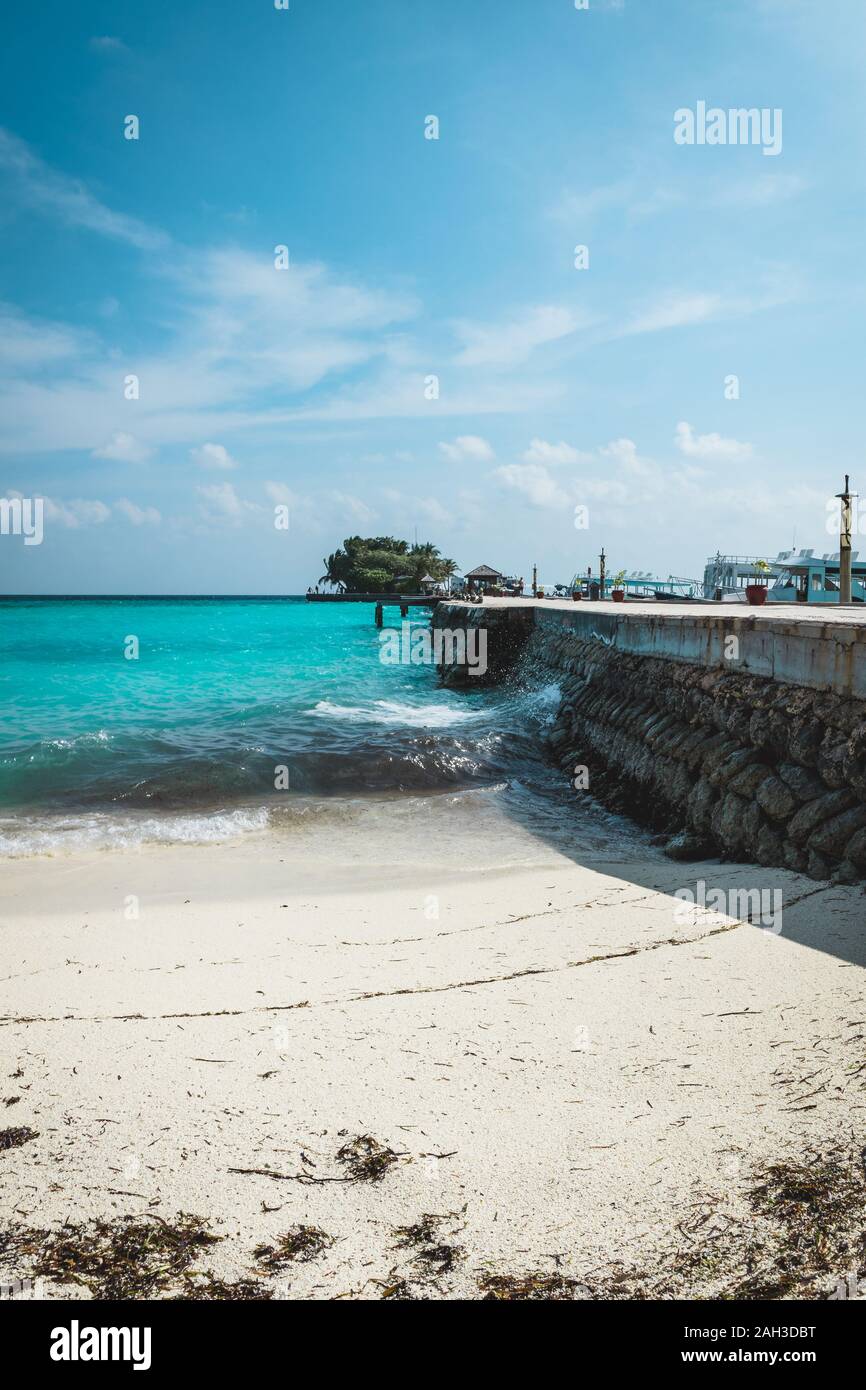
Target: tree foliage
pixel 374 564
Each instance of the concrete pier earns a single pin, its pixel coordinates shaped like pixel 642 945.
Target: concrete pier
pixel 820 647
pixel 737 731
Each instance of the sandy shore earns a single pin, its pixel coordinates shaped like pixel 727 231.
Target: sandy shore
pixel 567 1073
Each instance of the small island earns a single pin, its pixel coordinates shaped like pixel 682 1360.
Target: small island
pixel 383 564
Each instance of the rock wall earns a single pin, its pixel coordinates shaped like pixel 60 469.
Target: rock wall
pixel 506 635
pixel 725 762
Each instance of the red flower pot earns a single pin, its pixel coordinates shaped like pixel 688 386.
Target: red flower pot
pixel 756 594
pixel 576 596
pixel 618 595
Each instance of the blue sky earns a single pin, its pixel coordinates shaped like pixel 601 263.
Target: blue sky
pixel 558 387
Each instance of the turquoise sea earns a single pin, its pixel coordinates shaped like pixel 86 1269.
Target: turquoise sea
pixel 241 715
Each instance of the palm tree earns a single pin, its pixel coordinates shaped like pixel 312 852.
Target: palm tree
pixel 423 559
pixel 332 567
pixel 447 570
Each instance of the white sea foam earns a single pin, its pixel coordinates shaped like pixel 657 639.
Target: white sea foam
pixel 87 740
pixel 23 836
pixel 392 712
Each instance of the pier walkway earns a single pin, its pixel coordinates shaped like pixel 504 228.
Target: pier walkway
pixel 819 646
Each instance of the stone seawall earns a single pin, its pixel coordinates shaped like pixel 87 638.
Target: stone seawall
pixel 726 761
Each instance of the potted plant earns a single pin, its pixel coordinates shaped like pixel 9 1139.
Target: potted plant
pixel 617 593
pixel 756 593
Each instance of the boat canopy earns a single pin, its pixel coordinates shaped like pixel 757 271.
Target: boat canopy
pixel 804 577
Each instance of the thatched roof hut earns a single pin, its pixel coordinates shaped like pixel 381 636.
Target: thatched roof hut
pixel 483 574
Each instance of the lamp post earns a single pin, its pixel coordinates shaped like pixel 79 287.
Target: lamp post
pixel 845 544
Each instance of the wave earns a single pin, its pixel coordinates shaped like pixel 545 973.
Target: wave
pixel 392 712
pixel 49 835
pixel 87 740
pixel 214 779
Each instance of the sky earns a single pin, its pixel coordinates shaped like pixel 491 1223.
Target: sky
pixel 430 353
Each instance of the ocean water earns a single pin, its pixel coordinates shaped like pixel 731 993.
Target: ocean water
pixel 240 717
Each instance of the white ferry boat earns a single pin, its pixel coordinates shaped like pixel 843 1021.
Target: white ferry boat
pixel 800 576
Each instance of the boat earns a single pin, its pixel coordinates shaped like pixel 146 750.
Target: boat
pixel 726 577
pixel 801 576
pixel 639 584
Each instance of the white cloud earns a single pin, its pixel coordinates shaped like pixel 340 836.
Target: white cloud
pixel 405 509
pixel 623 454
pixel 581 207
pixel 540 451
pixel 508 344
pixel 213 456
pixel 139 516
pixel 47 189
pixel 244 344
pixel 638 199
pixel 78 512
pixel 278 492
pixel 675 311
pixel 401 396
pixel 633 197
pixel 123 448
pixel 431 509
pixel 305 511
pixel 615 475
pixel 709 446
pixel 107 43
pixel 534 482
pixel 840 43
pixel 221 503
pixel 759 192
pixel 779 285
pixel 352 508
pixel 251 327
pixel 26 343
pixel 468 446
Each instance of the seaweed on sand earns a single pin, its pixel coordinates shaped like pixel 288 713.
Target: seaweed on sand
pixel 439 1259
pixel 533 1287
pixel 19 1244
pixel 423 1232
pixel 125 1258
pixel 14 1138
pixel 811 1200
pixel 817 1208
pixel 400 1291
pixel 300 1244
pixel 207 1288
pixel 806 1223
pixel 366 1160
pixel 433 1257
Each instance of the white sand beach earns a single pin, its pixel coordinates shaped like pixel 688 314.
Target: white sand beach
pixel 576 1082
